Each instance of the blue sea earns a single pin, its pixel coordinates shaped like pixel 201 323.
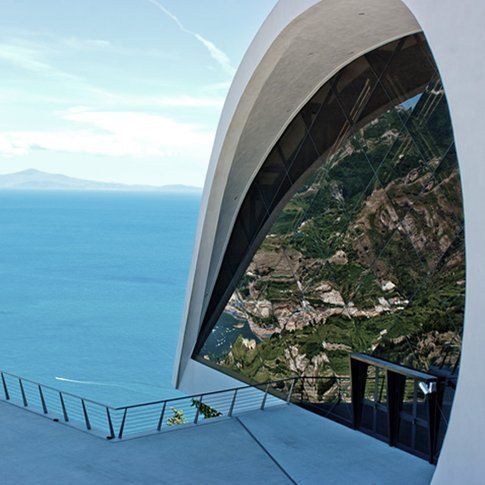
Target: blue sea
pixel 92 288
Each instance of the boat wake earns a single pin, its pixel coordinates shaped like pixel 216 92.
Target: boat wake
pixel 90 383
pixel 111 384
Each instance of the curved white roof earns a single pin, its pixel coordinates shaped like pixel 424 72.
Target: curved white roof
pixel 299 47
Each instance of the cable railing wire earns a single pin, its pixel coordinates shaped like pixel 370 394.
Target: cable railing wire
pixel 119 422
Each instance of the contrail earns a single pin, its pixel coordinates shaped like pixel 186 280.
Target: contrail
pixel 219 56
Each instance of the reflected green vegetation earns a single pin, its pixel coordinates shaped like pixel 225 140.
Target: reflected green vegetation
pixel 367 256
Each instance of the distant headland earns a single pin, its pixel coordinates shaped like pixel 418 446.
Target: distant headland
pixel 36 180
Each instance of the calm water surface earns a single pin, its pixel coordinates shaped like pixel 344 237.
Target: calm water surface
pixel 92 288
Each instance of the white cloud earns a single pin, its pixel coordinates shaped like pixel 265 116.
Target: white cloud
pixel 86 44
pixel 103 99
pixel 114 133
pixel 28 58
pixel 217 54
pixel 111 124
pixel 10 146
pixel 217 87
pixel 33 58
pixel 172 101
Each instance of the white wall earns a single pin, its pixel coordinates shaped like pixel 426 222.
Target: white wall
pixel 456 34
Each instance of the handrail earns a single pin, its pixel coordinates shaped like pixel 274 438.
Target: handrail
pixel 115 422
pixel 161 401
pixel 119 422
pixel 392 366
pixel 232 389
pixel 46 386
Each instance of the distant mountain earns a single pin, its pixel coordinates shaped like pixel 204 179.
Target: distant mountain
pixel 36 180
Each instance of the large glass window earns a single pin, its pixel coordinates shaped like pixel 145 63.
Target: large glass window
pixel 364 250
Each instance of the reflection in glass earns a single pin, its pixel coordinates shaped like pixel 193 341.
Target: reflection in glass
pixel 368 253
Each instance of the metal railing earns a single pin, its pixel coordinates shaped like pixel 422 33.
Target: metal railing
pixel 116 423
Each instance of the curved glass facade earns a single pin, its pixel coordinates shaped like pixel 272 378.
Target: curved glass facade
pixel 350 238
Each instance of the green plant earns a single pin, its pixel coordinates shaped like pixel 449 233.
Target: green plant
pixel 206 410
pixel 178 417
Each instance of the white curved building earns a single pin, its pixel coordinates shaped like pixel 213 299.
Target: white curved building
pixel 332 221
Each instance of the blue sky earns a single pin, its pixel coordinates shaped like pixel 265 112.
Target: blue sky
pixel 118 90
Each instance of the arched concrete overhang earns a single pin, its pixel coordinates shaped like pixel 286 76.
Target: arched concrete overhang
pixel 298 48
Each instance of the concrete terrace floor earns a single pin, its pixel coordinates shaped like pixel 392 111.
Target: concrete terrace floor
pixel 280 445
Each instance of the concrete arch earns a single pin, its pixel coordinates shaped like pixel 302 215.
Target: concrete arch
pixel 298 48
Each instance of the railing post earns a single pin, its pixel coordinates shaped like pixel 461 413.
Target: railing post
pixel 86 417
pixel 162 414
pixel 433 401
pixel 42 400
pixel 290 392
pixel 122 427
pixel 302 387
pixel 5 390
pixel 24 398
pixel 231 408
pixel 110 424
pixel 63 405
pixel 197 412
pixel 264 397
pixel 396 384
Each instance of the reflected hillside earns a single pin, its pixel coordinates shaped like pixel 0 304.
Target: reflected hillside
pixel 367 256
